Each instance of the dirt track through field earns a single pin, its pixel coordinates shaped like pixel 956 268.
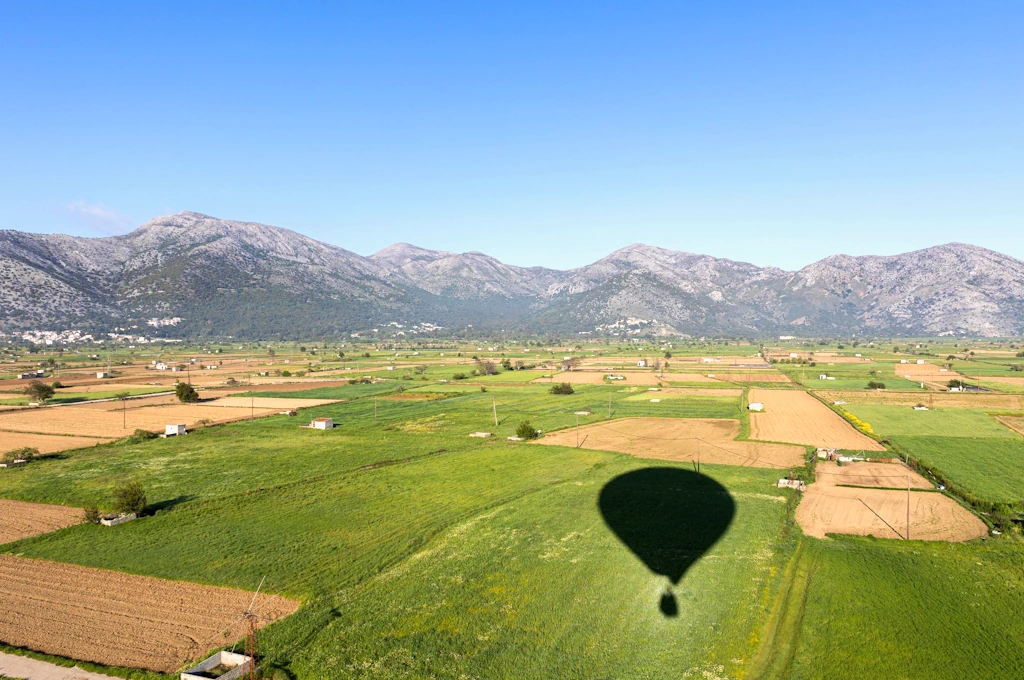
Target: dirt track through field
pixel 677 439
pixel 119 619
pixel 795 416
pixel 20 520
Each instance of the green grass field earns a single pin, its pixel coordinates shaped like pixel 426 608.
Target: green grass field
pixel 891 609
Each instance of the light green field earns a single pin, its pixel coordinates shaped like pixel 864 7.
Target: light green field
pixel 880 609
pixel 950 422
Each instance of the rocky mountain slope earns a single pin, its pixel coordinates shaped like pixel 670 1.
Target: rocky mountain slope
pixel 251 280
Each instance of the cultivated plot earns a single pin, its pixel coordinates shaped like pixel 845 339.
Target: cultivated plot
pixel 871 499
pixel 20 520
pixel 120 619
pixel 115 423
pixel 46 443
pixel 678 439
pixel 794 416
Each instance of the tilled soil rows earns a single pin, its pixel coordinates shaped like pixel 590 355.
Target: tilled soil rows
pixel 679 439
pixel 883 513
pixel 793 416
pixel 120 619
pixel 46 443
pixel 113 423
pixel 20 520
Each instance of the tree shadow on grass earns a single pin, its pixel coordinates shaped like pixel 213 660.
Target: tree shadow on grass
pixel 669 517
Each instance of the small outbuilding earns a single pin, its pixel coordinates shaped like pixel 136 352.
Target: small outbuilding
pixel 102 374
pixel 755 406
pixel 323 424
pixel 223 665
pixel 174 430
pixel 641 364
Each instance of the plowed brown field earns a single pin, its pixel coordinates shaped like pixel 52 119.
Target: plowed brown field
pixel 795 416
pixel 883 513
pixel 113 423
pixel 1013 422
pixel 119 619
pixel 869 474
pixel 46 443
pixel 677 439
pixel 20 520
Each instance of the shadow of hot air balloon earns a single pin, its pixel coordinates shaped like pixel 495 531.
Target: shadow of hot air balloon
pixel 668 517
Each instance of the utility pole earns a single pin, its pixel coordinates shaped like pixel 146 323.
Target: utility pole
pixel 577 431
pixel 698 455
pixel 908 506
pixel 375 410
pixel 494 406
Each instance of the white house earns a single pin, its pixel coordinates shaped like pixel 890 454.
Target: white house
pixel 755 406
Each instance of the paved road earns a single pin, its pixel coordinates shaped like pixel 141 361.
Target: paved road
pixel 24 668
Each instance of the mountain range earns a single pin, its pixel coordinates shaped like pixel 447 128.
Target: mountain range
pixel 245 280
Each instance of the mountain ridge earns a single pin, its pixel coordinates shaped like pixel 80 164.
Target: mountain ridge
pixel 245 279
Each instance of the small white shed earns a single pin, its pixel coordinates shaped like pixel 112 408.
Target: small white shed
pixel 102 374
pixel 173 430
pixel 641 364
pixel 323 424
pixel 755 406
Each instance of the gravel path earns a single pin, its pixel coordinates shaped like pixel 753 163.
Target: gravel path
pixel 24 668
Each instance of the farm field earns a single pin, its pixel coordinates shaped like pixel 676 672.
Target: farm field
pixel 795 416
pixel 20 520
pixel 969 447
pixel 978 400
pixel 853 499
pixel 45 443
pixel 413 550
pixel 955 608
pixel 1015 423
pixel 113 423
pixel 678 440
pixel 597 378
pixel 119 619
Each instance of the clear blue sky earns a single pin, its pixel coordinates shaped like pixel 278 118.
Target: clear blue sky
pixel 776 133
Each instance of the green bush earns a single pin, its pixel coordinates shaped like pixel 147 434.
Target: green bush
pixel 140 436
pixel 129 498
pixel 875 385
pixel 562 388
pixel 186 393
pixel 92 515
pixel 24 453
pixel 526 430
